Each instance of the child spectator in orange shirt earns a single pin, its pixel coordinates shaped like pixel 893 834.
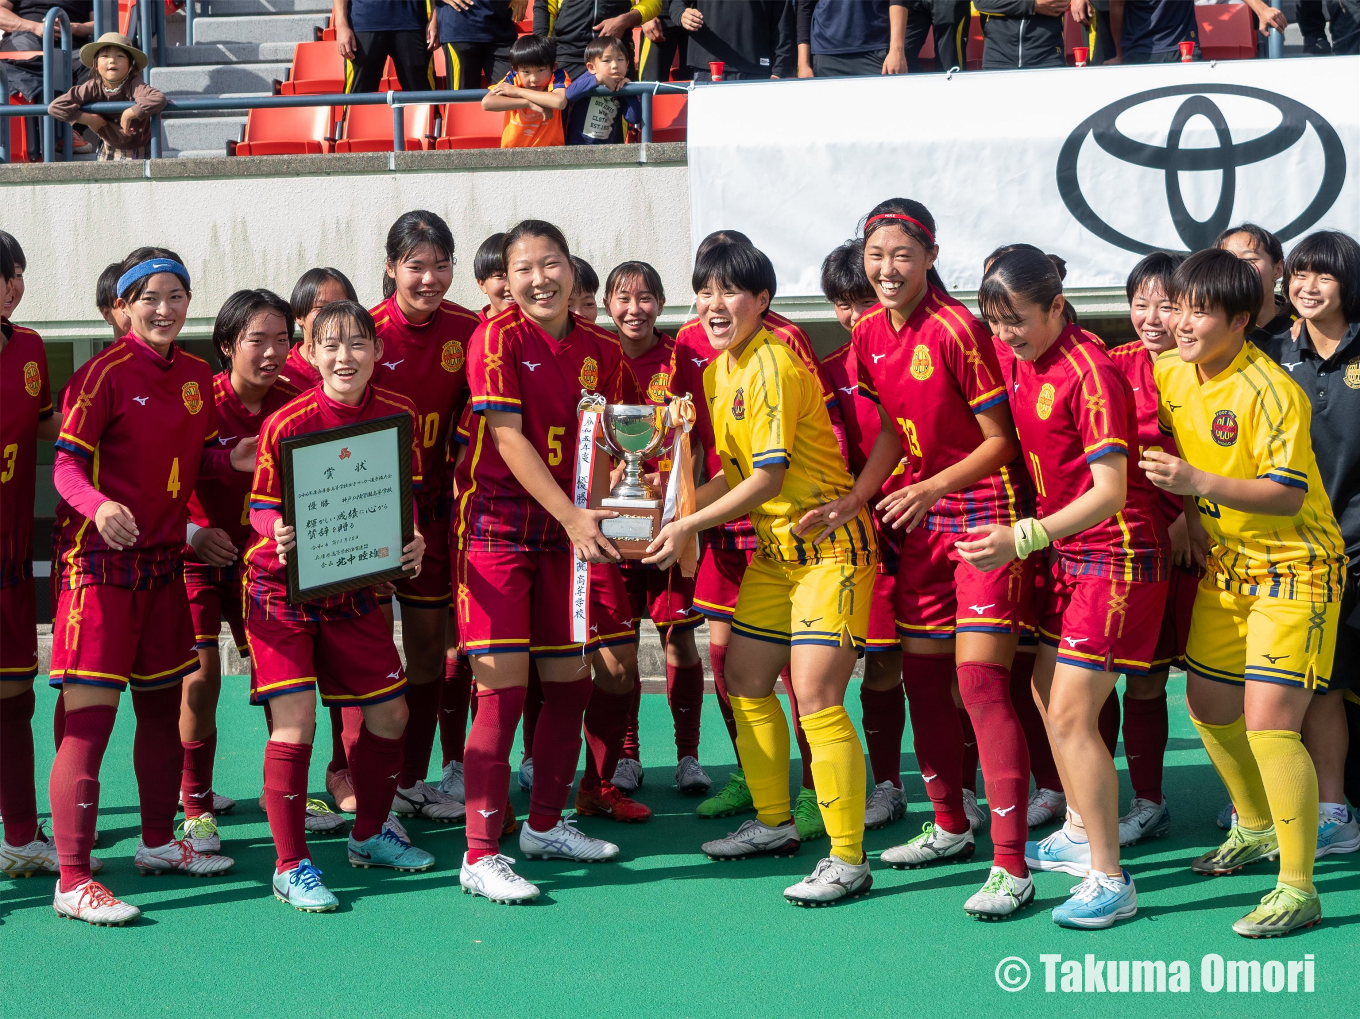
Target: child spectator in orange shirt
pixel 533 95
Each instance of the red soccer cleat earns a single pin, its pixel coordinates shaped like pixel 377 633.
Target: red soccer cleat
pixel 608 801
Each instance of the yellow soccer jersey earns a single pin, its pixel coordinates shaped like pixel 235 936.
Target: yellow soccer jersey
pixel 767 410
pixel 1252 421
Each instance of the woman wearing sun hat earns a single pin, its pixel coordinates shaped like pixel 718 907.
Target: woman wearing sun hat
pixel 117 78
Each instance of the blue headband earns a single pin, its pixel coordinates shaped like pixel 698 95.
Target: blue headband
pixel 150 268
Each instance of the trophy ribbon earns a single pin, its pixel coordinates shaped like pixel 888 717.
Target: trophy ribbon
pixel 590 408
pixel 680 497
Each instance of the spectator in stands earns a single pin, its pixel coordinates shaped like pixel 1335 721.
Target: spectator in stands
pixel 949 20
pixel 755 39
pixel 1151 31
pixel 476 36
pixel 663 45
pixel 601 120
pixel 573 23
pixel 533 95
pixel 1344 15
pixel 844 38
pixel 1026 33
pixel 367 32
pixel 118 67
pixel 105 296
pixel 21 22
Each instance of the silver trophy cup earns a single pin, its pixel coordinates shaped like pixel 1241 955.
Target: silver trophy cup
pixel 634 434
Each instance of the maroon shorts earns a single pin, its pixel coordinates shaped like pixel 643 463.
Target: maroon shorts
pixel 882 634
pixel 718 581
pixel 210 602
pixel 347 661
pixel 514 602
pixel 112 636
pixel 611 611
pixel 1180 606
pixel 19 631
pixel 433 589
pixel 667 598
pixel 1102 624
pixel 938 593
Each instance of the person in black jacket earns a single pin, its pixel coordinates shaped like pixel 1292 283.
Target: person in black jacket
pixel 663 42
pixel 842 38
pixel 573 23
pixel 949 19
pixel 1026 33
pixel 476 36
pixel 753 38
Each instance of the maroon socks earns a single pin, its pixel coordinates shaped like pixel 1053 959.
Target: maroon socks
pixel 1041 763
pixel 985 689
pixel 937 735
pixel 803 749
pixel 18 797
pixel 533 705
pixel 453 707
pixel 158 760
pixel 486 767
pixel 717 658
pixel 632 749
pixel 885 720
pixel 557 746
pixel 422 704
pixel 74 789
pixel 196 784
pixel 605 722
pixel 685 694
pixel 970 751
pixel 1145 733
pixel 1108 722
pixel 339 759
pixel 285 800
pixel 376 768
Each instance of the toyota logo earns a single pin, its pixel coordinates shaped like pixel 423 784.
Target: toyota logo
pixel 1173 160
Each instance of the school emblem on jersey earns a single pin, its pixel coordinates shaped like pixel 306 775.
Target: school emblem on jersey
pixel 1224 428
pixel 193 399
pixel 922 367
pixel 452 356
pixel 659 388
pixel 33 378
pixel 590 373
pixel 1044 405
pixel 739 405
pixel 1352 376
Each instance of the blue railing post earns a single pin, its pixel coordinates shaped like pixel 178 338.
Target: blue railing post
pixel 98 18
pixel 189 22
pixel 156 137
pixel 56 17
pixel 1275 44
pixel 398 124
pixel 7 127
pixel 646 118
pixel 145 19
pixel 159 8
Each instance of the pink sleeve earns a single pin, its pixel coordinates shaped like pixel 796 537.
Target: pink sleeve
pixel 263 520
pixel 71 475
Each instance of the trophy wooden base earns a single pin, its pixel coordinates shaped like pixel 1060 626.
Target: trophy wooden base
pixel 637 523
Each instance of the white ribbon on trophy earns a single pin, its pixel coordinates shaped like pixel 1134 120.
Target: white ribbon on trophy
pixel 590 408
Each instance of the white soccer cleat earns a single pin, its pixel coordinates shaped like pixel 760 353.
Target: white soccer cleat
pixel 1145 819
pixel 691 779
pixel 220 804
pixel 1002 896
pixel 452 782
pixel 564 841
pixel 755 838
pixel 201 833
pixel 321 819
pixel 37 857
pixel 627 775
pixel 931 846
pixel 178 857
pixel 526 774
pixel 492 878
pixel 1045 807
pixel 94 904
pixel 425 800
pixel 832 881
pixel 885 804
pixel 971 810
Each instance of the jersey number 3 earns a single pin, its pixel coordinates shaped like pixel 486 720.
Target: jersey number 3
pixel 909 432
pixel 11 460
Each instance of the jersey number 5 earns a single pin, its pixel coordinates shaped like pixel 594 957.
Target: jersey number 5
pixel 909 431
pixel 555 445
pixel 172 484
pixel 11 460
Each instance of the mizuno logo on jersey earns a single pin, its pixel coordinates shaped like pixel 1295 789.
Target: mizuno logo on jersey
pixel 981 608
pixel 1074 641
pixel 392 364
pixel 226 440
pixel 700 361
pixel 531 365
pixel 141 399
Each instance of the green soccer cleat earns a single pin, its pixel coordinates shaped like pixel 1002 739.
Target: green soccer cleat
pixel 1282 911
pixel 733 798
pixel 807 816
pixel 1240 848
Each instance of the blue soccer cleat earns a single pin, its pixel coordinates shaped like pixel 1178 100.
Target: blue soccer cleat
pixel 1059 852
pixel 302 889
pixel 388 849
pixel 1098 902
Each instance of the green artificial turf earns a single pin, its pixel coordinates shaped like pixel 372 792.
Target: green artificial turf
pixel 665 932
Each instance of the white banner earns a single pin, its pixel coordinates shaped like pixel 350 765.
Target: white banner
pixel 1098 165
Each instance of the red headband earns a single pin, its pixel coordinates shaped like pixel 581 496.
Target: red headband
pixel 905 219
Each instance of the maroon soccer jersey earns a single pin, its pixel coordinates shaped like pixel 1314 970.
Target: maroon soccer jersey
pixel 25 399
pixel 1134 361
pixel 225 502
pixel 515 366
pixel 693 353
pixel 313 411
pixel 1072 405
pixel 428 363
pixel 932 378
pixel 143 421
pixel 859 414
pixel 298 371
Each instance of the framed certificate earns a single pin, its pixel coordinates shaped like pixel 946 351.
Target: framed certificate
pixel 347 493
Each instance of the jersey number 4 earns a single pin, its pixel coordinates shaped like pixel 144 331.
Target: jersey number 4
pixel 172 483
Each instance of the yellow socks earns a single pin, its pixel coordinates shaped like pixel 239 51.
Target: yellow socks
pixel 763 744
pixel 838 772
pixel 1291 786
pixel 1231 753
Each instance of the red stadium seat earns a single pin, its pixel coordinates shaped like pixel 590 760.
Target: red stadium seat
pixel 928 47
pixel 18 133
pixel 318 69
pixel 670 117
pixel 390 82
pixel 1226 32
pixel 975 43
pixel 290 132
pixel 1076 34
pixel 468 126
pixel 369 129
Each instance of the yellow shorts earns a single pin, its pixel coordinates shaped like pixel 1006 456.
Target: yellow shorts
pixel 1237 637
pixel 817 603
